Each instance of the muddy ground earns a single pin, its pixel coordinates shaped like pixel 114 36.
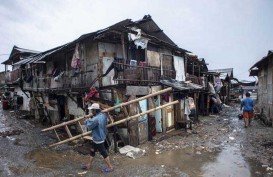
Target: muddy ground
pixel 218 145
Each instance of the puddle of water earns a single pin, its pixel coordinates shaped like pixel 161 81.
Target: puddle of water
pixel 187 160
pixel 229 162
pixel 45 158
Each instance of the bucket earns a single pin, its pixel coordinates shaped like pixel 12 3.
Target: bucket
pixel 5 104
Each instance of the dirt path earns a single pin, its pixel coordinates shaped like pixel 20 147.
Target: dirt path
pixel 217 146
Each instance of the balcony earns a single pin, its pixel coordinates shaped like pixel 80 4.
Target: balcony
pixel 137 73
pixel 132 73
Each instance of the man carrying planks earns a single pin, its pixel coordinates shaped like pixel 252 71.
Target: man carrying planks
pixel 99 132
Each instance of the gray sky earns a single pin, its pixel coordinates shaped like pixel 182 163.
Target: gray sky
pixel 227 33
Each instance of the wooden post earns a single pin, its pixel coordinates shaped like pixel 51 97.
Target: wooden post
pixel 196 106
pixel 208 102
pixel 186 62
pixel 123 49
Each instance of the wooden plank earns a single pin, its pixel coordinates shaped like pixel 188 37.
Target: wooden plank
pixel 110 117
pixel 123 48
pixel 57 135
pixel 88 138
pixel 125 110
pixel 80 125
pixel 68 131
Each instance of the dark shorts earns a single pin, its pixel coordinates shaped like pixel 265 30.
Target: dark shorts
pixel 248 115
pixel 98 147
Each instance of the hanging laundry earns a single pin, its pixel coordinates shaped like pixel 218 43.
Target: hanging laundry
pixel 165 97
pixel 57 78
pixel 217 84
pixel 92 93
pixel 55 72
pixel 211 88
pixel 142 43
pixel 187 110
pixel 139 41
pixel 117 103
pixel 76 61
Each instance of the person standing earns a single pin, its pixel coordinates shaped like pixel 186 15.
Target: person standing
pixel 99 132
pixel 247 105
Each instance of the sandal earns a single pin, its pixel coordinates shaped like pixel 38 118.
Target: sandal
pixel 107 170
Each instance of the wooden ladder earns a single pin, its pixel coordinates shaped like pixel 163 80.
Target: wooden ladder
pixel 112 122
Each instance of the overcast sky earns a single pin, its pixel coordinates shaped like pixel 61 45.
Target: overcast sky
pixel 227 33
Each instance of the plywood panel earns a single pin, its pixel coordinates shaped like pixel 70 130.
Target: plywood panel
pixel 91 53
pixel 143 131
pixel 153 58
pixel 133 133
pixel 110 50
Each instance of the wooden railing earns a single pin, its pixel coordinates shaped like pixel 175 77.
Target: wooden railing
pixel 140 74
pixel 125 73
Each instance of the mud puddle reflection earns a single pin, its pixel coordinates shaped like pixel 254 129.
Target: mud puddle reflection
pixel 50 159
pixel 226 163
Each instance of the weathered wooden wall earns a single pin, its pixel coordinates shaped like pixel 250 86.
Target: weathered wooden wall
pixel 265 99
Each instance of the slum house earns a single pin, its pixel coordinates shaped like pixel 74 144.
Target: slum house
pixel 13 86
pixel 196 70
pixel 222 83
pixel 108 66
pixel 240 88
pixel 192 93
pixel 263 71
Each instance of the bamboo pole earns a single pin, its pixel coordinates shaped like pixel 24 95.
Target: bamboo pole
pixel 117 122
pixel 66 123
pixel 109 109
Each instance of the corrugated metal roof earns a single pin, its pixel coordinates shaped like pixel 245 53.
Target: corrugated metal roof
pixel 270 53
pixel 228 71
pixel 146 24
pixel 40 56
pixel 25 50
pixel 180 85
pixel 17 50
pixel 150 27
